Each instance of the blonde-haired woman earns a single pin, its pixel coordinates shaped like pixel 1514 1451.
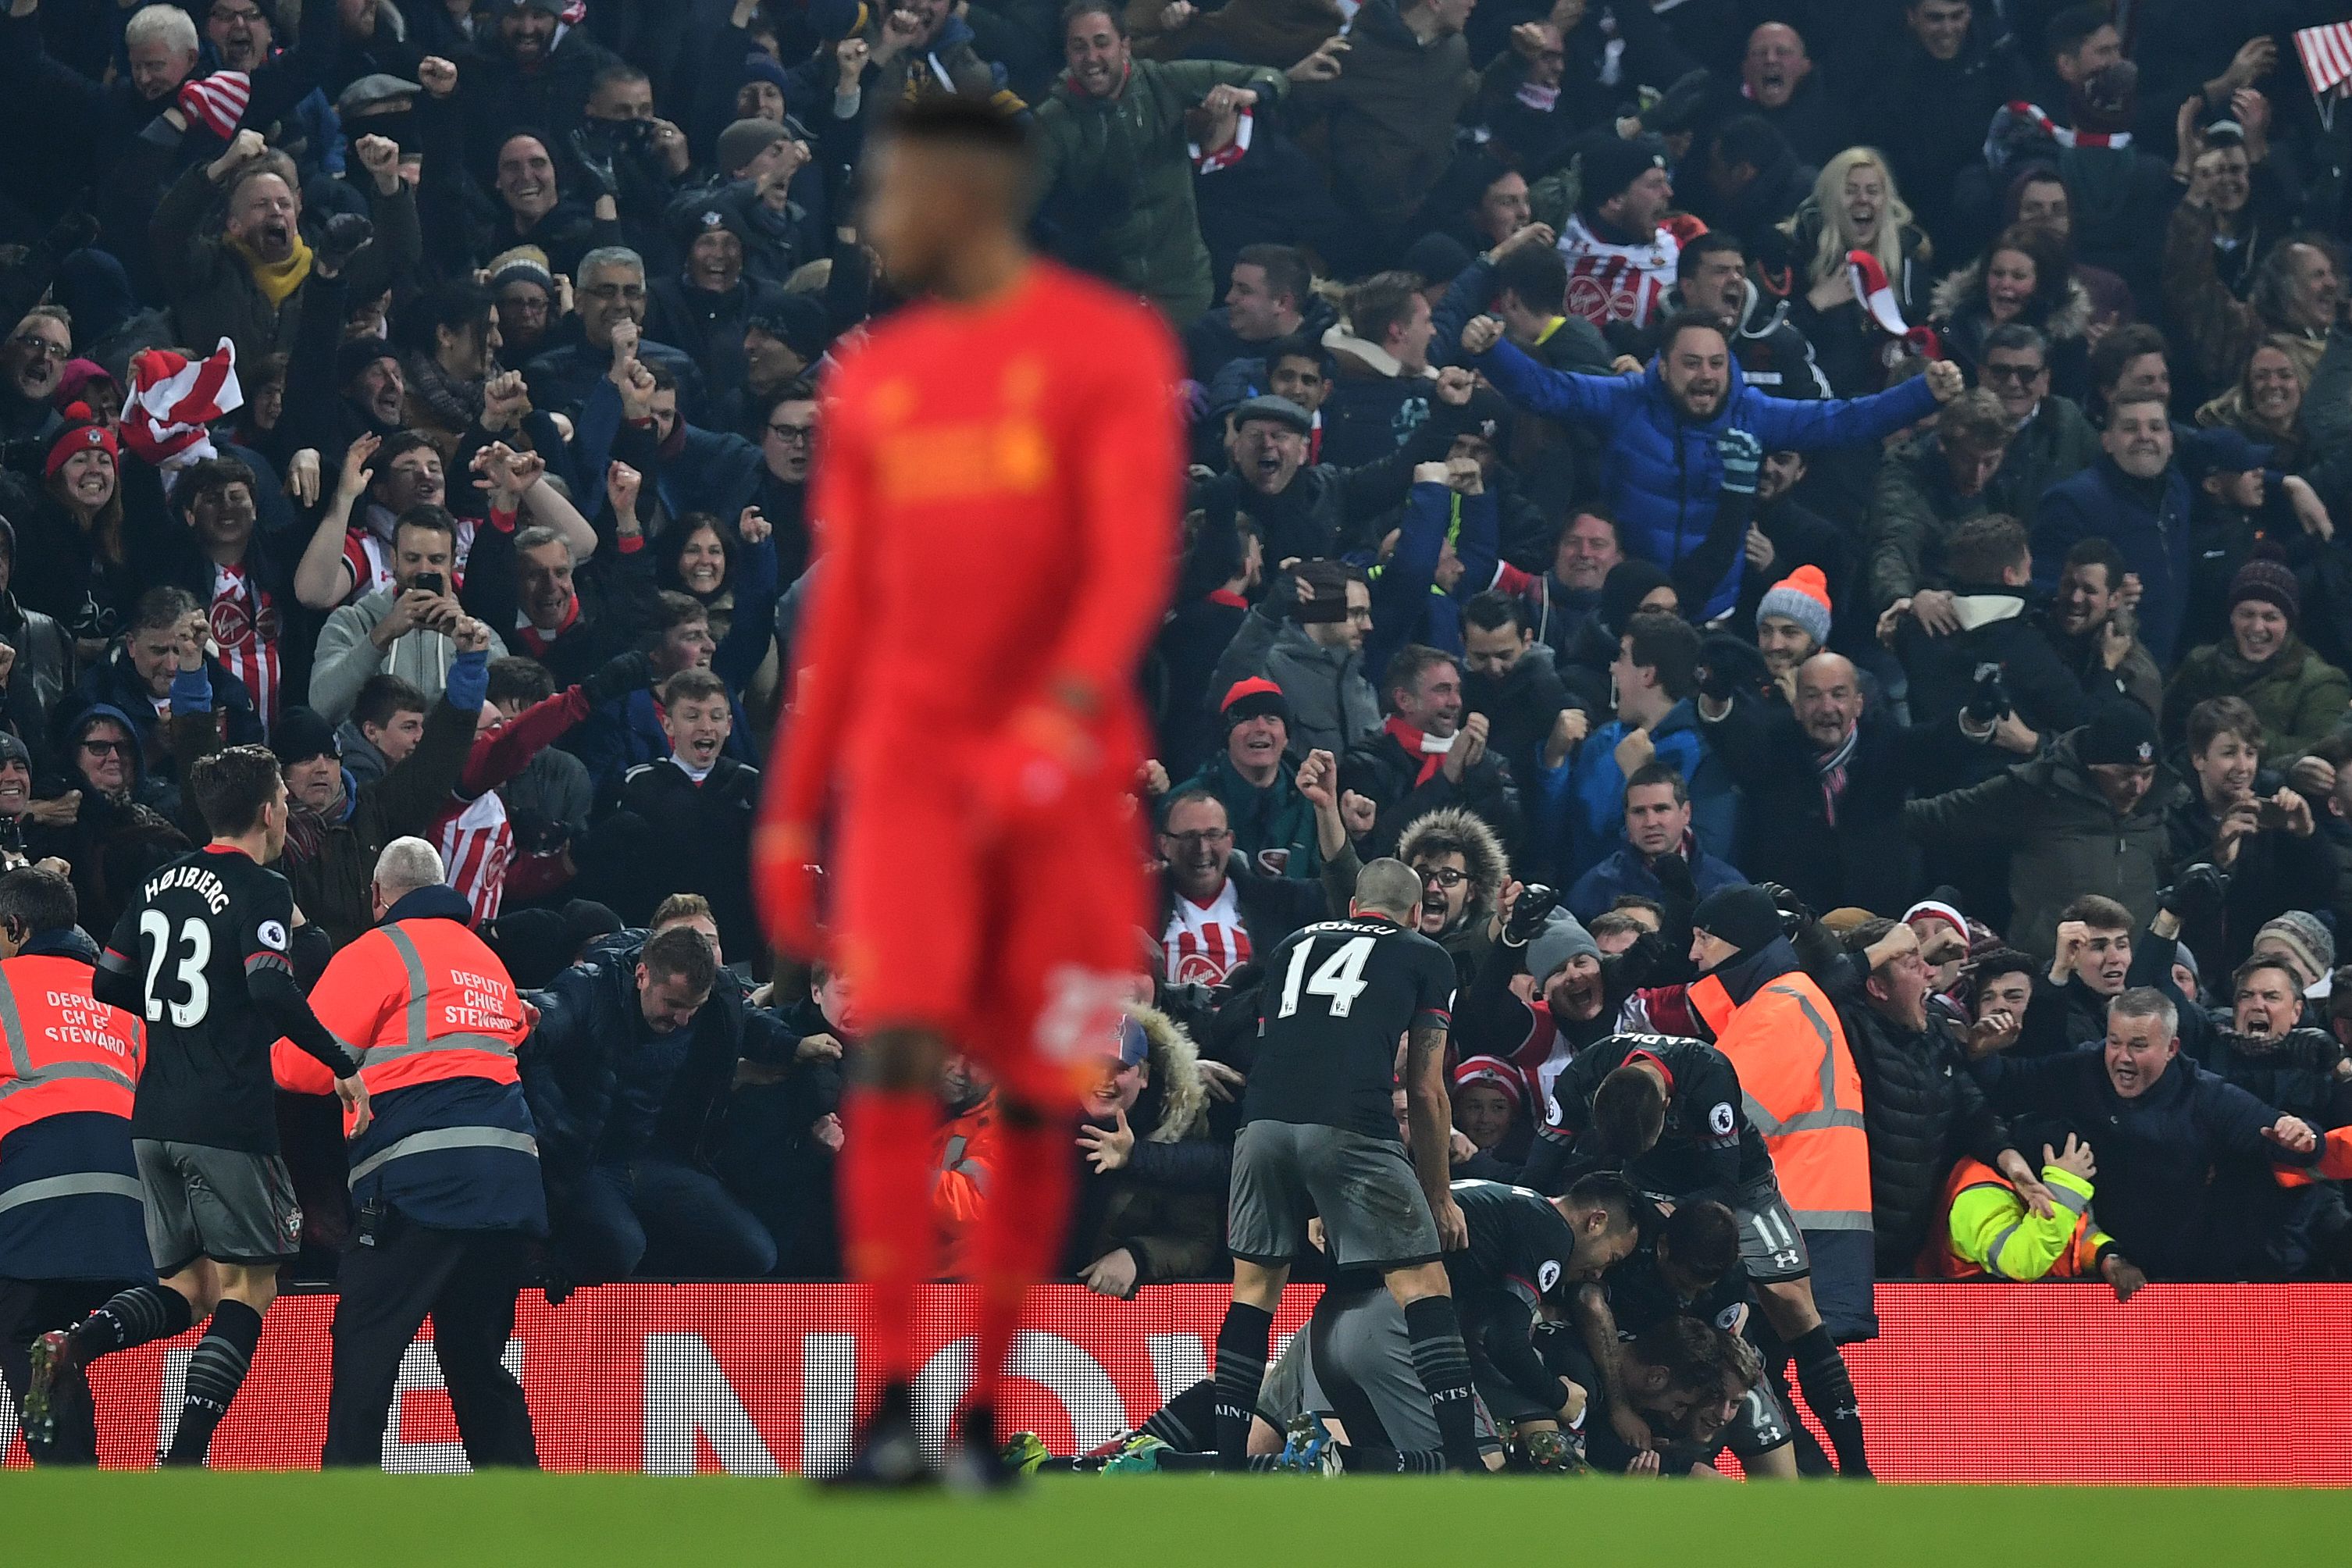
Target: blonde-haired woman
pixel 1854 207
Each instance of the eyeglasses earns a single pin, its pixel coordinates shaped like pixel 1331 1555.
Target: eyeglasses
pixel 615 291
pixel 57 351
pixel 107 748
pixel 1200 840
pixel 795 434
pixel 1446 875
pixel 2019 374
pixel 244 14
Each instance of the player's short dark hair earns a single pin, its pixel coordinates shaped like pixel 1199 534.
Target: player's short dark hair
pixel 2097 552
pixel 1703 1238
pixel 2064 32
pixel 1982 548
pixel 1629 1112
pixel 692 686
pixel 2219 716
pixel 1287 272
pixel 1493 610
pixel 1657 772
pixel 161 607
pixel 1683 322
pixel 519 680
pixel 1714 242
pixel 959 119
pixel 1685 1347
pixel 2098 912
pixel 35 900
pixel 234 786
pixel 1613 1195
pixel 1410 663
pixel 2126 343
pixel 1669 644
pixel 384 695
pixel 679 953
pixel 208 477
pixel 1537 274
pixel 1380 301
pixel 432 519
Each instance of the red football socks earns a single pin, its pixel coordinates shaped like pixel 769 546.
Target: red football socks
pixel 889 1237
pixel 1019 1237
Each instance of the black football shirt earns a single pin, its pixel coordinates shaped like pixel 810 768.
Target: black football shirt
pixel 1340 997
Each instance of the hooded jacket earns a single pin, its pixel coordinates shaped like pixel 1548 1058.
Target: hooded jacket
pixel 1488 867
pixel 1174 1229
pixel 2063 838
pixel 1958 308
pixel 1995 633
pixel 1661 472
pixel 346 657
pixel 1332 702
pixel 1120 166
pixel 113 841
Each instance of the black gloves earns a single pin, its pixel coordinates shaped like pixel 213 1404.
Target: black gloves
pixel 1673 874
pixel 1989 703
pixel 1795 913
pixel 1729 667
pixel 618 677
pixel 1528 915
pixel 344 237
pixel 595 166
pixel 2197 895
pixel 535 832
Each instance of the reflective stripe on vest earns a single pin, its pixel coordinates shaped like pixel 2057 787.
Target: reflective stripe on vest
pixel 97 1183
pixel 82 1033
pixel 416 1039
pixel 1820 1148
pixel 447 1138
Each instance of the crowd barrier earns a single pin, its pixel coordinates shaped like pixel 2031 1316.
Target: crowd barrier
pixel 2050 1382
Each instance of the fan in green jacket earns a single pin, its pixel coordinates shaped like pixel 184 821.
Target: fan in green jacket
pixel 1114 165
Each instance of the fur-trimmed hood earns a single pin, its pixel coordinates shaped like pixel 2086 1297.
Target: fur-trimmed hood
pixel 1364 357
pixel 1175 1076
pixel 1961 291
pixel 1482 853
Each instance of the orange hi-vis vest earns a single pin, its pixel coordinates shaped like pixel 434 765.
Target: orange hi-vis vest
pixel 65 1050
pixel 419 1001
pixel 1802 1090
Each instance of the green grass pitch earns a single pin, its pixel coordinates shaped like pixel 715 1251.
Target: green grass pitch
pixel 1136 1521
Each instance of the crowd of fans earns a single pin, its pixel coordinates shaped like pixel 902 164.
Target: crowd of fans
pixel 1889 453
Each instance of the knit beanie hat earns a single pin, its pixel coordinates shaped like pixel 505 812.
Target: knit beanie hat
pixel 1437 259
pixel 2304 941
pixel 523 264
pixel 302 734
pixel 82 432
pixel 1611 163
pixel 1250 699
pixel 1621 591
pixel 1803 596
pixel 744 141
pixel 13 750
pixel 1742 915
pixel 1562 941
pixel 2269 580
pixel 760 66
pixel 1493 1070
pixel 2121 733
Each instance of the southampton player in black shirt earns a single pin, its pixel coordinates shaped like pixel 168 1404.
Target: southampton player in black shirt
pixel 1320 1140
pixel 201 953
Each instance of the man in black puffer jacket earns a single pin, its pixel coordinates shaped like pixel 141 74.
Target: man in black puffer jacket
pixel 1921 1112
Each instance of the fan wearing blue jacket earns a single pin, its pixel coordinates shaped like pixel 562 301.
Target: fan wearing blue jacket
pixel 1659 471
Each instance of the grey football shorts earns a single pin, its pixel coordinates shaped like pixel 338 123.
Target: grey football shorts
pixel 221 1204
pixel 1373 1211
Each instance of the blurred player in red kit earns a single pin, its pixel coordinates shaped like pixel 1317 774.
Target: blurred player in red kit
pixel 996 498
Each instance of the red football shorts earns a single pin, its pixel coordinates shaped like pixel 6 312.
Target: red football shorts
pixel 1016 943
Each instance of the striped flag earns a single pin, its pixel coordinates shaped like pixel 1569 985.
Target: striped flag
pixel 173 399
pixel 2326 54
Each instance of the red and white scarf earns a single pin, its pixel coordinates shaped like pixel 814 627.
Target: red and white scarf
pixel 2066 135
pixel 1429 749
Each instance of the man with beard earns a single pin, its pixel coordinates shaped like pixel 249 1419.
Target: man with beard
pixel 1508 678
pixel 1463 873
pixel 1711 278
pixel 1428 755
pixel 1662 857
pixel 528 74
pixel 248 285
pixel 1662 426
pixel 1306 636
pixel 406 630
pixel 30 363
pixel 2091 624
pixel 1544 993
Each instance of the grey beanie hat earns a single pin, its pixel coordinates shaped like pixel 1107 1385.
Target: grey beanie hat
pixel 1562 941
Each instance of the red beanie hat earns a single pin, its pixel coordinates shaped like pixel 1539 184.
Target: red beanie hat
pixel 82 434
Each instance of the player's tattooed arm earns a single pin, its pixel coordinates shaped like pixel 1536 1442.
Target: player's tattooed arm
pixel 1598 1326
pixel 1429 1111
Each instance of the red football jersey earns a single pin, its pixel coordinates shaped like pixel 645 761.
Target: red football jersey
pixel 995 501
